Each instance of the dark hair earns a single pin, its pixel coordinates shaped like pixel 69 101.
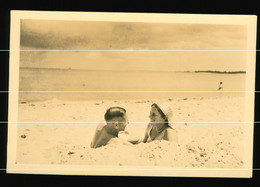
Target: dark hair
pixel 114 112
pixel 160 111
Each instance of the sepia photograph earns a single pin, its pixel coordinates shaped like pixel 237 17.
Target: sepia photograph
pixel 131 94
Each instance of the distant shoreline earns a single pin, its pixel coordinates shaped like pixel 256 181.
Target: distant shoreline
pixel 198 71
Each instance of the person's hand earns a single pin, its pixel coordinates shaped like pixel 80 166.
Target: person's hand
pixel 126 136
pixel 123 135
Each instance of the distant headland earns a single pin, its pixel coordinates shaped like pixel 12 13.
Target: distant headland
pixel 220 72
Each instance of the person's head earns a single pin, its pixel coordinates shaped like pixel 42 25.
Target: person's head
pixel 220 82
pixel 160 114
pixel 156 114
pixel 116 118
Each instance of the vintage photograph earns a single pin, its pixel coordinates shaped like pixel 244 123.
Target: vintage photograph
pixel 147 94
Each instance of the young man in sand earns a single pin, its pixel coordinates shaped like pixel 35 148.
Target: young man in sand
pixel 107 132
pixel 159 127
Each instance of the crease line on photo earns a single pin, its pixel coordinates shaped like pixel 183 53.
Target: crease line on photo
pixel 139 169
pixel 92 91
pixel 142 50
pixel 131 122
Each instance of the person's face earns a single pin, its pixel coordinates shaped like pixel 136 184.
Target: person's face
pixel 119 123
pixel 155 116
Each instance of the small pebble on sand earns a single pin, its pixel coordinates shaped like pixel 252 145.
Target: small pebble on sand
pixel 70 153
pixel 23 136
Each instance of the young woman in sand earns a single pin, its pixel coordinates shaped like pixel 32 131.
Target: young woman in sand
pixel 159 127
pixel 107 132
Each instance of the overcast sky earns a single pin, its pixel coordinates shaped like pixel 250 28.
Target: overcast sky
pixel 80 35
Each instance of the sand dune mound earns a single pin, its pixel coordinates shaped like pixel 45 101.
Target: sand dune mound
pixel 157 153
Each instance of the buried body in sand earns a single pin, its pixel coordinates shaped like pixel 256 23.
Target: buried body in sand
pixel 137 144
pixel 116 119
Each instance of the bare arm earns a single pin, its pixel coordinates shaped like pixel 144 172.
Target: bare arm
pixel 130 137
pixel 146 134
pixel 118 141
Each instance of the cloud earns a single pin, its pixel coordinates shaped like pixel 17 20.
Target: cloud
pixel 50 41
pixel 199 36
pixel 115 35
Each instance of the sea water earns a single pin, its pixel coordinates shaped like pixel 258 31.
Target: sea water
pixel 129 83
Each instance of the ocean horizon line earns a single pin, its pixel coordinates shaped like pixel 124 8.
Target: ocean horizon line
pixel 177 71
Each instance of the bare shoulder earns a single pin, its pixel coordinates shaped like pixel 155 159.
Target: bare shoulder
pixel 100 126
pixel 172 135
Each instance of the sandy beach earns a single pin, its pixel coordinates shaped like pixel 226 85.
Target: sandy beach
pixel 70 125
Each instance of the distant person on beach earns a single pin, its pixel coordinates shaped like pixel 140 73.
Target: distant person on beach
pixel 159 127
pixel 220 87
pixel 116 120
